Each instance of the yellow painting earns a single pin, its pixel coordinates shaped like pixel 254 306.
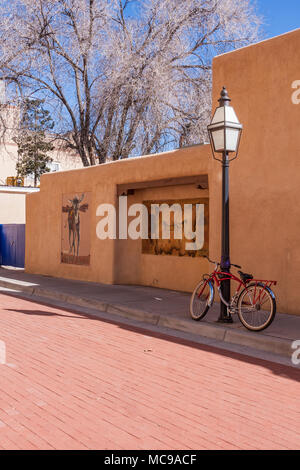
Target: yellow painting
pixel 189 218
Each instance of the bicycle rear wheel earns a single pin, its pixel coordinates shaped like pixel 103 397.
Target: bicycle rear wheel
pixel 201 300
pixel 256 307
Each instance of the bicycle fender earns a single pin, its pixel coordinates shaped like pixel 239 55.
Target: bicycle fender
pixel 261 284
pixel 212 293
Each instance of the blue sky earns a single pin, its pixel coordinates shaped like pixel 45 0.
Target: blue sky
pixel 280 16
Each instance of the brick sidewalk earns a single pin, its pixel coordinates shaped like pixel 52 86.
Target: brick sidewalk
pixel 73 382
pixel 150 305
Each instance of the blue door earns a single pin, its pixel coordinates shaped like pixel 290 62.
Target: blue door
pixel 12 245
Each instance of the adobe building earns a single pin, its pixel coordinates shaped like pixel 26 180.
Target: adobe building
pixel 263 81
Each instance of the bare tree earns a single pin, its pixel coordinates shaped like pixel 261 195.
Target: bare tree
pixel 123 77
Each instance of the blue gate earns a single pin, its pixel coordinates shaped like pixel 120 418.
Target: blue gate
pixel 12 245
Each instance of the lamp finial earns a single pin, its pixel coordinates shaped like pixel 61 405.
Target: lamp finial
pixel 224 100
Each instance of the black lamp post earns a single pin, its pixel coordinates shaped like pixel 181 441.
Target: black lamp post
pixel 224 134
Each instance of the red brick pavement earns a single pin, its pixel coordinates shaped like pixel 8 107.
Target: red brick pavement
pixel 73 382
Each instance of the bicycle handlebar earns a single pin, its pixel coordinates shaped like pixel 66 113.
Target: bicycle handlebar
pixel 210 260
pixel 218 264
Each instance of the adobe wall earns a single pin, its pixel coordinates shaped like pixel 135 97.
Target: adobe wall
pixel 13 203
pixel 265 178
pixel 134 267
pixel 115 261
pixel 12 207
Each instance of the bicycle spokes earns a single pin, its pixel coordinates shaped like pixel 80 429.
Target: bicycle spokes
pixel 201 300
pixel 253 301
pixel 204 293
pixel 256 307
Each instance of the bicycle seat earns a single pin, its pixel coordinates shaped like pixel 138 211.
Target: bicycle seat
pixel 244 276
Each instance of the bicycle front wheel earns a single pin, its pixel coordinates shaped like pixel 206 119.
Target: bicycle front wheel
pixel 201 300
pixel 256 307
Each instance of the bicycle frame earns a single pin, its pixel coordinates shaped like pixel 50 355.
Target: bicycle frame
pixel 214 278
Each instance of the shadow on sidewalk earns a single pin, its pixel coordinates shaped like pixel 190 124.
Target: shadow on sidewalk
pixel 46 314
pixel 277 369
pixel 289 372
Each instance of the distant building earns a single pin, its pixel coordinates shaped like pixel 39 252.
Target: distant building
pixel 62 160
pixel 9 121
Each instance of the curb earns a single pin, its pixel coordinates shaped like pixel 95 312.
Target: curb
pixel 271 344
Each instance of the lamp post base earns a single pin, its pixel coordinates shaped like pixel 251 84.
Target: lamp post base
pixel 227 319
pixel 225 316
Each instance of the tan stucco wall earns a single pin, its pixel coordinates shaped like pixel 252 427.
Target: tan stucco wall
pixel 12 208
pixel 109 262
pixel 265 179
pixel 264 187
pixel 134 267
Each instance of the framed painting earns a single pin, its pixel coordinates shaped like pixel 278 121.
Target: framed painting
pixel 75 231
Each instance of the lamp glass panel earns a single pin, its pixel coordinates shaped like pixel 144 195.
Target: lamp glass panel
pixel 218 140
pixel 230 115
pixel 219 115
pixel 232 136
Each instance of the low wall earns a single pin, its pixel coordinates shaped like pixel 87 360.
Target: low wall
pixel 114 261
pixel 12 204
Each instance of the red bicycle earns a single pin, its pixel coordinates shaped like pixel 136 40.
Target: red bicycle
pixel 253 301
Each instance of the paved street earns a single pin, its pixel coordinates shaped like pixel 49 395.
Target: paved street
pixel 76 382
pixel 164 308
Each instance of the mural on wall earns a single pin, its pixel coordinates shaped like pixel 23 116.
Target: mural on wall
pixel 75 234
pixel 192 227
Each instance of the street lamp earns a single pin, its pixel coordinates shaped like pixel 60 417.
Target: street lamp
pixel 225 133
